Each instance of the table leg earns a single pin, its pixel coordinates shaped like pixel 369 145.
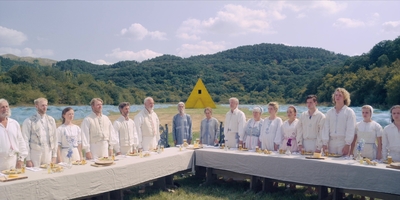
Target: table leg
pixel 267 185
pixel 322 192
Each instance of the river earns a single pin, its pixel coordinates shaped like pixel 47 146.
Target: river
pixel 21 113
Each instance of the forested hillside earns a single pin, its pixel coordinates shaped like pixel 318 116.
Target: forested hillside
pixel 254 74
pixel 22 82
pixel 372 78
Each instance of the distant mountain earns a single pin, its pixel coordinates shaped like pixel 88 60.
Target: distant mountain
pixel 253 73
pixel 40 61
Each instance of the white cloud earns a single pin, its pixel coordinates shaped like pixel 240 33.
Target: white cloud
pixel 348 23
pixel 231 20
pixel 202 47
pixel 26 52
pixel 138 32
pixel 101 62
pixel 11 36
pixel 120 55
pixel 391 26
pixel 355 23
pixel 331 7
pixel 301 15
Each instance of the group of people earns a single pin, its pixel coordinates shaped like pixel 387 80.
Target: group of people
pixel 41 142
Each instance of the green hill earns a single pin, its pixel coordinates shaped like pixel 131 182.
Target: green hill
pixel 255 73
pixel 38 61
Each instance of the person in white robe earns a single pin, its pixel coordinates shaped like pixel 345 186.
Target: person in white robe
pixel 340 123
pixel 40 136
pixel 309 128
pixel 391 136
pixel 289 131
pixel 270 135
pixel 234 124
pixel 252 129
pixel 126 131
pixel 98 133
pixel 12 144
pixel 371 132
pixel 147 126
pixel 209 129
pixel 69 137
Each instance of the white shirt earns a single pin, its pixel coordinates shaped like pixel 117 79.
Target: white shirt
pixel 310 127
pixel 235 122
pixel 153 122
pixel 69 136
pixel 85 127
pixel 11 137
pixel 289 130
pixel 391 141
pixel 340 124
pixel 370 127
pixel 271 130
pixel 126 132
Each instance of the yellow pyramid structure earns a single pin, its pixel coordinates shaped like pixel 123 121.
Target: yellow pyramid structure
pixel 199 98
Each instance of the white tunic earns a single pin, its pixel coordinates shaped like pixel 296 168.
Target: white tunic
pixel 369 131
pixel 126 133
pixel 289 132
pixel 147 126
pixel 39 133
pixel 271 133
pixel 391 142
pixel 106 135
pixel 69 137
pixel 233 127
pixel 252 133
pixel 309 128
pixel 11 143
pixel 339 126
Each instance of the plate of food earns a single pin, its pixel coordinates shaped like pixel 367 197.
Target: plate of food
pixel 334 155
pixel 11 171
pixel 79 162
pixel 132 154
pixel 104 161
pixel 44 166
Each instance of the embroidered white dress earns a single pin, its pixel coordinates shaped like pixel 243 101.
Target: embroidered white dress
pixel 271 133
pixel 69 137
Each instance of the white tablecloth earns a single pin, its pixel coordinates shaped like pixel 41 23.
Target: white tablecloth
pixel 87 180
pixel 331 172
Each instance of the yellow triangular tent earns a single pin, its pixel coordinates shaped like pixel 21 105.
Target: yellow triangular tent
pixel 199 98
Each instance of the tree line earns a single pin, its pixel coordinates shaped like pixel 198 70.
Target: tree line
pixel 254 73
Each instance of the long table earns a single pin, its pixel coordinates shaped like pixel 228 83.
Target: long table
pixel 331 172
pixel 86 180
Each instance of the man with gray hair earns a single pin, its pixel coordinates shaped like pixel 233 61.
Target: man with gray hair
pixel 234 124
pixel 147 125
pixel 98 132
pixel 39 132
pixel 181 126
pixel 125 130
pixel 11 139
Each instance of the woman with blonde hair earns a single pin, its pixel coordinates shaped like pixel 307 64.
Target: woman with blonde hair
pixel 391 136
pixel 271 129
pixel 369 131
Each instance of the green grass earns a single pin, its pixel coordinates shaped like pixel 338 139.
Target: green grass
pixel 190 189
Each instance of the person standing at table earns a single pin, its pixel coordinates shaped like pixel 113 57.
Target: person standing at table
pixel 181 126
pixel 271 129
pixel 12 142
pixel 310 126
pixel 69 137
pixel 371 133
pixel 252 129
pixel 209 128
pixel 125 130
pixel 98 132
pixel 289 131
pixel 147 124
pixel 39 132
pixel 340 123
pixel 391 136
pixel 234 124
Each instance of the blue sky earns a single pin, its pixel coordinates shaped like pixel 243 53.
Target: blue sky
pixel 105 32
